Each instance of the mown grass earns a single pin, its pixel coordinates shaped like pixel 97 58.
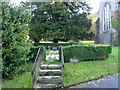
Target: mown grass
pixel 0 85
pixel 84 71
pixel 89 70
pixel 23 81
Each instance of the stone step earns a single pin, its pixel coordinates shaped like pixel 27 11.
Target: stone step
pixel 49 80
pixel 52 66
pixel 49 77
pixel 54 72
pixel 47 86
pixel 54 48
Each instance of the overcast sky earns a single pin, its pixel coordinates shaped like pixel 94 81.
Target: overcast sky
pixel 93 3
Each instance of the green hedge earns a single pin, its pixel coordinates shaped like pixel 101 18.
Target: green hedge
pixel 15 42
pixel 34 50
pixel 82 53
pixel 33 53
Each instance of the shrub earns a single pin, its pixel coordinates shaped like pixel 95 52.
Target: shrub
pixel 15 42
pixel 33 53
pixel 34 50
pixel 91 52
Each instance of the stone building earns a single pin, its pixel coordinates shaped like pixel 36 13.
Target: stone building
pixel 104 32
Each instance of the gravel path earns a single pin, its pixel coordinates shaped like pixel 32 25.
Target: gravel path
pixel 106 82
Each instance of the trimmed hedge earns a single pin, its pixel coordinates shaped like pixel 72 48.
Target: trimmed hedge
pixel 34 50
pixel 33 53
pixel 82 53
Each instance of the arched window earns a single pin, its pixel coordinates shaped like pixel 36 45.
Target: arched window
pixel 106 17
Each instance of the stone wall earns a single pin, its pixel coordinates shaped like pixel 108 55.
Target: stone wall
pixel 104 31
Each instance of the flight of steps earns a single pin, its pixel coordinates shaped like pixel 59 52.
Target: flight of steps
pixel 50 76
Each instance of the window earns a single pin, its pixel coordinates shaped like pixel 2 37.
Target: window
pixel 106 17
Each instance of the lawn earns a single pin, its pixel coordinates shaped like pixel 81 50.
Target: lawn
pixel 0 85
pixel 20 81
pixel 23 81
pixel 84 71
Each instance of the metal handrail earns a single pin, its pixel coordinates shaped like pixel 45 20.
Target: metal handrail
pixel 36 59
pixel 62 57
pixel 62 61
pixel 36 65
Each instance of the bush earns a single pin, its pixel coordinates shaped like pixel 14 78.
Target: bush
pixel 33 53
pixel 15 42
pixel 82 53
pixel 34 50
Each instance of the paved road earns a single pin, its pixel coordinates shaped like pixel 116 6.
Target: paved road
pixel 106 82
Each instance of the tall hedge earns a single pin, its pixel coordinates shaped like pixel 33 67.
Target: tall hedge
pixel 83 53
pixel 0 38
pixel 15 40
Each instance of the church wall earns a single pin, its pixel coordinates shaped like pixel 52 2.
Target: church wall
pixel 104 35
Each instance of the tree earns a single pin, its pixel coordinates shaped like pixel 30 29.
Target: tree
pixel 59 20
pixel 15 41
pixel 115 20
pixel 116 26
pixel 94 18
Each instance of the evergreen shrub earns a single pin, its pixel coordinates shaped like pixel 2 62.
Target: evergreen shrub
pixel 15 39
pixel 90 52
